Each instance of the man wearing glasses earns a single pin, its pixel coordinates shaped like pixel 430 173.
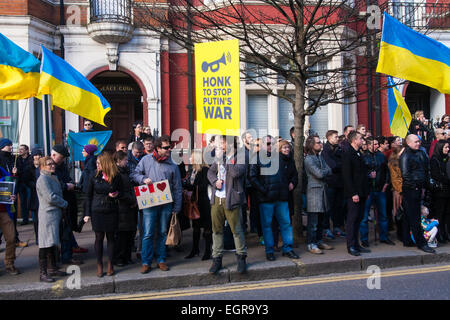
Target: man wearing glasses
pixel 153 168
pixel 88 126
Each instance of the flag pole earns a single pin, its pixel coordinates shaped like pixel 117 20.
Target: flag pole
pixel 19 131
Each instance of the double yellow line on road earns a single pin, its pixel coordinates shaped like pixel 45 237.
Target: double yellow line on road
pixel 270 285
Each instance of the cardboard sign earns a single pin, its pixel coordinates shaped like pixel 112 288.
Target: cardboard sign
pixel 153 195
pixel 6 190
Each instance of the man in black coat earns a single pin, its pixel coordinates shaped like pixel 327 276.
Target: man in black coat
pixel 414 166
pixel 356 190
pixel 332 154
pixel 69 218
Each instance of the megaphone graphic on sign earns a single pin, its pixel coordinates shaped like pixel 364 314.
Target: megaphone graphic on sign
pixel 215 65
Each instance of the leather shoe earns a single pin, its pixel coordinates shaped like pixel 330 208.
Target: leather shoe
pixel 388 241
pixel 80 250
pixel 291 254
pixel 270 257
pixel 145 269
pixel 365 244
pixel 163 266
pixel 353 251
pixel 427 249
pixel 364 250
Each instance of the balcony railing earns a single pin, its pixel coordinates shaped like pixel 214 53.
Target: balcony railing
pixel 111 11
pixel 421 15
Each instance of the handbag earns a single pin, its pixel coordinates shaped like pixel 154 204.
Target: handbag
pixel 190 207
pixel 174 234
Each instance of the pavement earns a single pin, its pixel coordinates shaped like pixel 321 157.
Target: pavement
pixel 193 272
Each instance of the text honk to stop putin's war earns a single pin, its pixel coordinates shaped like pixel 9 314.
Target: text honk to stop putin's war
pixel 217 83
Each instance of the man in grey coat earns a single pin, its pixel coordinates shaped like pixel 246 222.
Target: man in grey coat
pixel 227 177
pixel 153 168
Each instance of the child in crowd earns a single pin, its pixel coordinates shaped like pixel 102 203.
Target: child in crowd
pixel 429 226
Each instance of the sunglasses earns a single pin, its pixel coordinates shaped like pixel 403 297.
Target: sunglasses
pixel 166 147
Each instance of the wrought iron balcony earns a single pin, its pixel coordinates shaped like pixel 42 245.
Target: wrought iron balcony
pixel 421 15
pixel 111 25
pixel 111 11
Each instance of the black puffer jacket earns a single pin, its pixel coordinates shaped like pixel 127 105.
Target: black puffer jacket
pixel 127 203
pixel 274 186
pixel 414 166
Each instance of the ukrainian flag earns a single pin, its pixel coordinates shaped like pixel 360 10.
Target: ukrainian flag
pixel 70 90
pixel 399 115
pixel 19 71
pixel 410 55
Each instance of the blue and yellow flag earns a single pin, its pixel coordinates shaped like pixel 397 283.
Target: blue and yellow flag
pixel 70 90
pixel 77 141
pixel 399 115
pixel 410 55
pixel 19 71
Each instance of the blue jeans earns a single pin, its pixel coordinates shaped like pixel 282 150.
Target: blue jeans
pixel 380 203
pixel 155 221
pixel 281 211
pixel 24 194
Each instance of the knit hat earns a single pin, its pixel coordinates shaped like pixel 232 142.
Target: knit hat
pixel 5 142
pixel 61 150
pixel 90 148
pixel 36 151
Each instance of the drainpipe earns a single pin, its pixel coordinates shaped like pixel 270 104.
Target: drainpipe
pixel 190 105
pixel 61 23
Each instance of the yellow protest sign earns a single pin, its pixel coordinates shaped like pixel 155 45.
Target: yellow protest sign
pixel 217 86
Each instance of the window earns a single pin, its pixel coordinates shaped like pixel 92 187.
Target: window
pixel 280 78
pixel 345 111
pixel 254 73
pixel 285 117
pixel 38 125
pixel 315 72
pixel 9 119
pixel 319 120
pixel 257 115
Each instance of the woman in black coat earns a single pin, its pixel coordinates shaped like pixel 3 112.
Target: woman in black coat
pixel 128 210
pixel 441 196
pixel 90 166
pixel 197 182
pixel 103 207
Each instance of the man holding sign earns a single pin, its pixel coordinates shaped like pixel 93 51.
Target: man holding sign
pixel 150 170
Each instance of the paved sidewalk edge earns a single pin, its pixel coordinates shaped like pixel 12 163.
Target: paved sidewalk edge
pixel 178 279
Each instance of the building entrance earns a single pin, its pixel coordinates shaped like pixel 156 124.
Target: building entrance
pixel 124 96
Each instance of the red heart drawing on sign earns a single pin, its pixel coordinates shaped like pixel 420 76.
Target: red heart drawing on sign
pixel 161 186
pixel 143 189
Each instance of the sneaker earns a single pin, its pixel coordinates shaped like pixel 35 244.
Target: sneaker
pixel 12 270
pixel 339 233
pixel 328 235
pixel 314 249
pixel 325 246
pixel 432 244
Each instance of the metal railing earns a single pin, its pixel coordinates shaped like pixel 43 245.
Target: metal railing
pixel 421 15
pixel 111 11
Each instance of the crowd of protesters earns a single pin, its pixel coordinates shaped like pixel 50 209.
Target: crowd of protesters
pixel 248 186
